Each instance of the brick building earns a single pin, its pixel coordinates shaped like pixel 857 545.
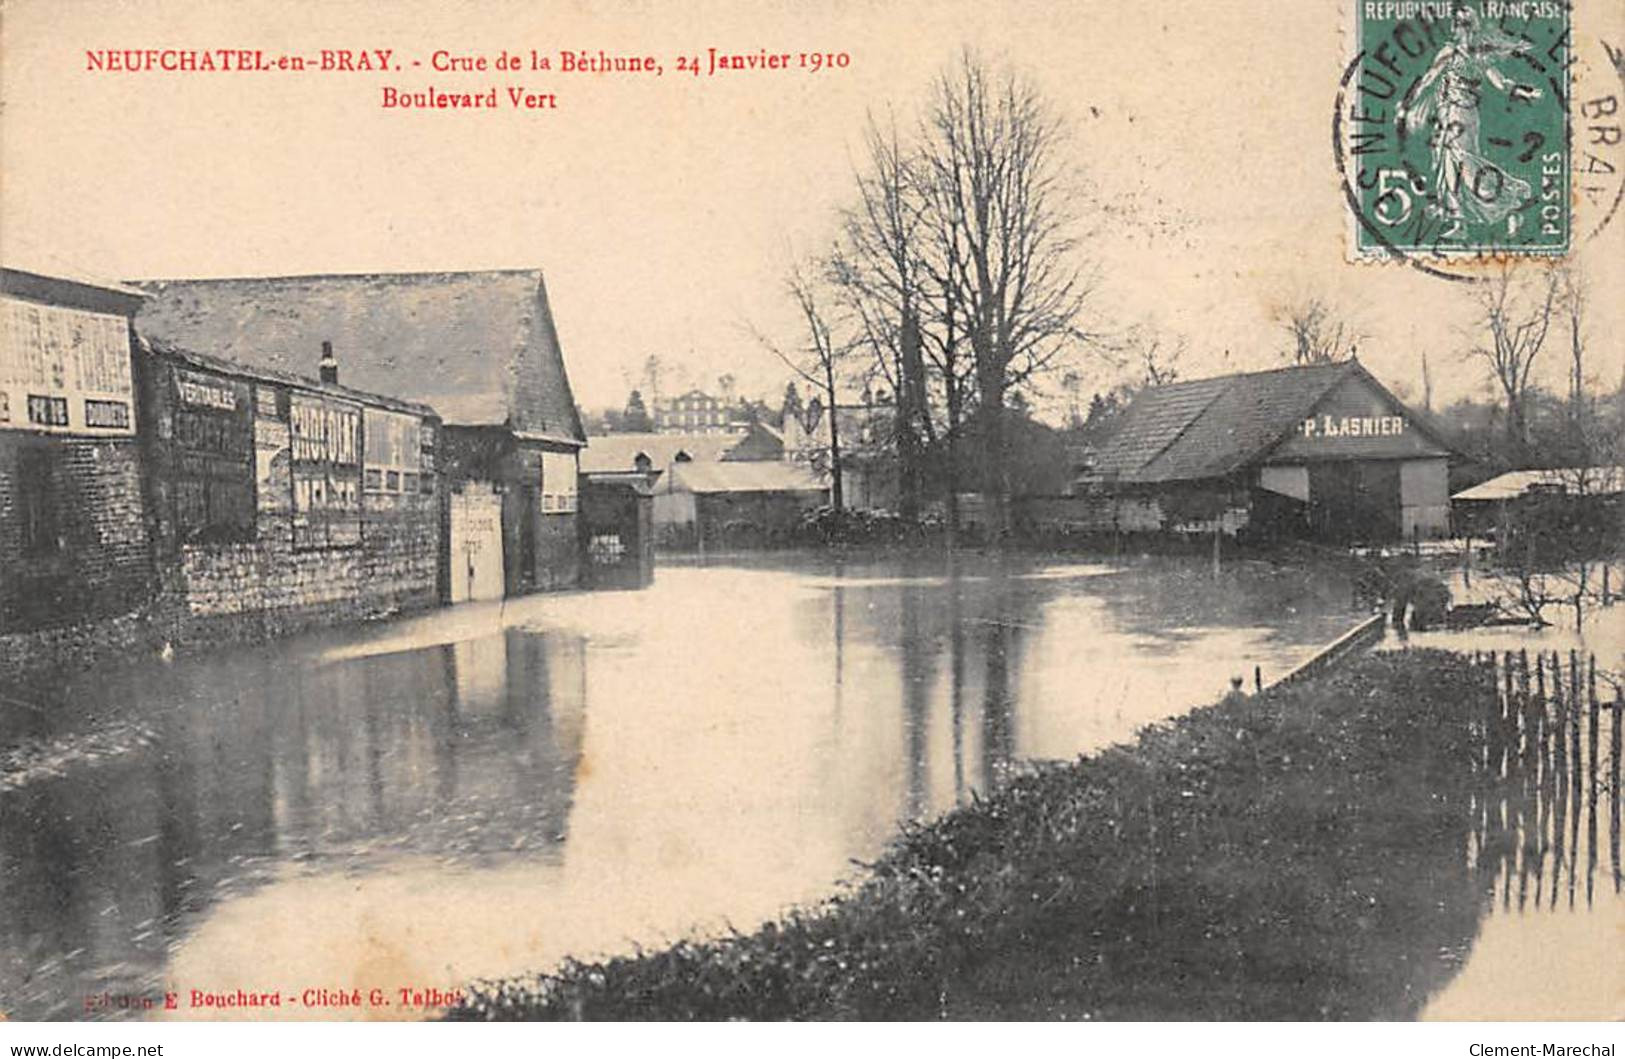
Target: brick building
pixel 697 412
pixel 480 348
pixel 279 502
pixel 73 542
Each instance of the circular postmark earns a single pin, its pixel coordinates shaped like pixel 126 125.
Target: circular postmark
pixel 1473 131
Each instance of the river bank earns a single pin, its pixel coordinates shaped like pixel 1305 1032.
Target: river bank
pixel 1308 853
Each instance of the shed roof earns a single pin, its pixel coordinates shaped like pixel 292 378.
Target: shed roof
pixel 1513 484
pixel 742 477
pixel 1208 428
pixel 619 452
pixel 479 347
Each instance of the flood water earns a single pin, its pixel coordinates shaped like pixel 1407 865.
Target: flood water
pixel 489 788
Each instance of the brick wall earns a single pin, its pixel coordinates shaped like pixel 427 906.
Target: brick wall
pixel 260 584
pixel 100 566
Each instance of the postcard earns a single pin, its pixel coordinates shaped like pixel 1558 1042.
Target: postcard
pixel 864 510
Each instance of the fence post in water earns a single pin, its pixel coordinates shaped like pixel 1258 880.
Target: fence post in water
pixel 1596 774
pixel 1508 717
pixel 1613 785
pixel 1560 781
pixel 1258 679
pixel 1526 721
pixel 1543 776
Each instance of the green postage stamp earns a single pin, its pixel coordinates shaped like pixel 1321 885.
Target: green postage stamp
pixel 1453 127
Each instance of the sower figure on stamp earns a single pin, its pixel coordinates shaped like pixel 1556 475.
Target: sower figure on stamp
pixel 1447 100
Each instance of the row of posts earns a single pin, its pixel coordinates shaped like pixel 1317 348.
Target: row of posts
pixel 1541 756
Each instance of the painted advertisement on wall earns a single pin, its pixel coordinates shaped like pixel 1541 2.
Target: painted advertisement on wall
pixel 213 436
pixel 394 452
pixel 64 371
pixel 559 483
pixel 326 461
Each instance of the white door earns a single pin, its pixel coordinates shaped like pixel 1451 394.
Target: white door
pixel 476 543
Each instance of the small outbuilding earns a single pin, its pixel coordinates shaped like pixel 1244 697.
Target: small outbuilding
pixel 732 504
pixel 1486 508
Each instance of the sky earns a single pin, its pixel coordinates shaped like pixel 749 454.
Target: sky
pixel 665 210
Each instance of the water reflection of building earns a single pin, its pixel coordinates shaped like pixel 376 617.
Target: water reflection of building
pixel 262 773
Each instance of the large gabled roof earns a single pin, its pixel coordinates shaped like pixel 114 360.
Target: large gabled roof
pixel 1208 428
pixel 479 347
pixel 1151 422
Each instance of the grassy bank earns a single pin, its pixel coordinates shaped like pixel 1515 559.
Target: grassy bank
pixel 1297 855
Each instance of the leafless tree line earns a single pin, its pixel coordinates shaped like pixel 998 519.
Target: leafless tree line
pixel 957 275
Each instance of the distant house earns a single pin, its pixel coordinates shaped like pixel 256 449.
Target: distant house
pixel 1322 451
pixel 480 348
pixel 868 455
pixel 697 412
pixel 731 504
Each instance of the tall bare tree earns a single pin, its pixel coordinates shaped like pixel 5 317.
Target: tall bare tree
pixel 993 154
pixel 1516 307
pixel 1575 294
pixel 877 268
pixel 1318 334
pixel 818 359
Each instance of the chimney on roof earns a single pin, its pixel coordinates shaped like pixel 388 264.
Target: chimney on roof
pixel 329 367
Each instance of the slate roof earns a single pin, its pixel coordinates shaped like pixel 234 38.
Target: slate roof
pixel 617 452
pixel 740 477
pixel 1208 428
pixel 480 348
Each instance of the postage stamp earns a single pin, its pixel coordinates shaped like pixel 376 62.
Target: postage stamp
pixel 1453 128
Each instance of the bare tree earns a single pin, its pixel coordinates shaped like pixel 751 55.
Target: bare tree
pixel 1151 356
pixel 877 268
pixel 1516 313
pixel 1575 295
pixel 993 151
pixel 817 360
pixel 1319 335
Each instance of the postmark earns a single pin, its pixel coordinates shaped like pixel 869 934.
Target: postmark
pixel 1453 129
